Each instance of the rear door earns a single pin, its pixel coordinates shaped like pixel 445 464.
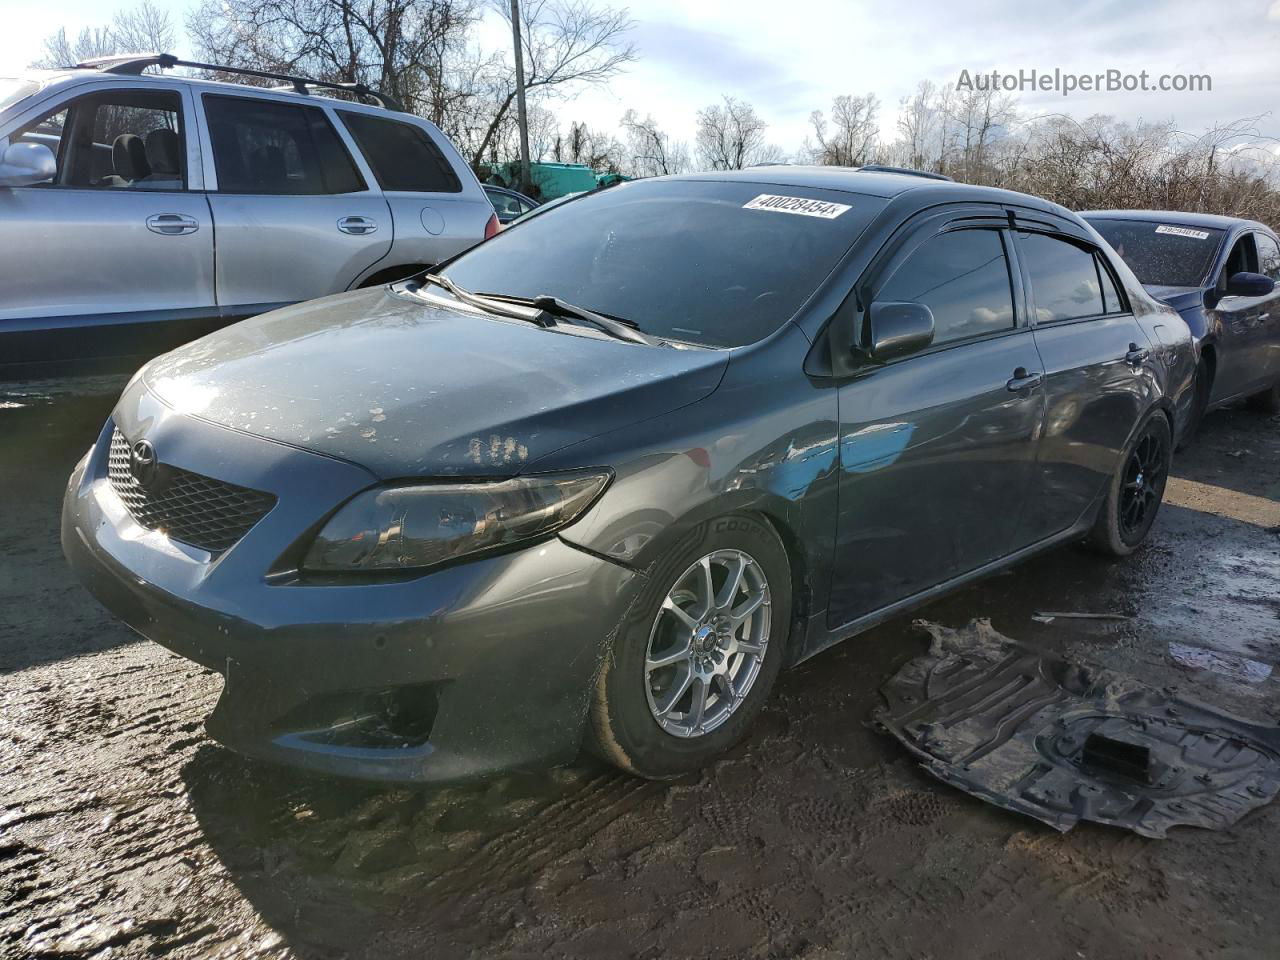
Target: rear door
pixel 120 241
pixel 1097 379
pixel 295 216
pixel 435 215
pixel 937 448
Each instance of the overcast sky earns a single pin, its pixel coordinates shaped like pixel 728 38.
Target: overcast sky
pixel 789 59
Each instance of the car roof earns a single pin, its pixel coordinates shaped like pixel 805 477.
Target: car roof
pixel 1177 218
pixel 876 183
pixel 73 75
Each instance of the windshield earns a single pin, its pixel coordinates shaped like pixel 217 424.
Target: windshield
pixel 12 90
pixel 1162 254
pixel 710 262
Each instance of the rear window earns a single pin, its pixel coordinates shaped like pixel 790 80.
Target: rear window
pixel 710 262
pixel 1162 254
pixel 403 156
pixel 268 147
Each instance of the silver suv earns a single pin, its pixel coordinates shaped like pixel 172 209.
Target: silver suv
pixel 138 211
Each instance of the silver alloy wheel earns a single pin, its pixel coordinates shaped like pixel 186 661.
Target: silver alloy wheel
pixel 707 643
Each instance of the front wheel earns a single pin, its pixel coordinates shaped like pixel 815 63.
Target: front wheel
pixel 1199 404
pixel 693 664
pixel 1136 490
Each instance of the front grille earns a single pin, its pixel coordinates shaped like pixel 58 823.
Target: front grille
pixel 186 506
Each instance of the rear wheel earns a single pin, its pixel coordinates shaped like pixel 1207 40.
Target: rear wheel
pixel 1136 491
pixel 693 664
pixel 1268 401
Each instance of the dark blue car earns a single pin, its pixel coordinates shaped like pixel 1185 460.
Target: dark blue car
pixel 596 481
pixel 1220 274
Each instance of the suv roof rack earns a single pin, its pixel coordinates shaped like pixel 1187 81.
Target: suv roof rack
pixel 884 168
pixel 134 63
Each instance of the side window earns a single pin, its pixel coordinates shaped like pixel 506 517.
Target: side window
pixel 963 277
pixel 268 147
pixel 402 156
pixel 1065 283
pixel 1243 258
pixel 1111 301
pixel 123 139
pixel 1268 256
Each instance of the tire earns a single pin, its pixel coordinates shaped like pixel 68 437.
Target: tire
pixel 628 726
pixel 1199 404
pixel 1268 401
pixel 1143 471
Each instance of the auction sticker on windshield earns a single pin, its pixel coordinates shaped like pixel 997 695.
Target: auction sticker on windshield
pixel 1183 232
pixel 801 205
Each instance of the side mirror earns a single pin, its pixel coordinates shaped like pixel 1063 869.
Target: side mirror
pixel 24 164
pixel 897 329
pixel 1245 284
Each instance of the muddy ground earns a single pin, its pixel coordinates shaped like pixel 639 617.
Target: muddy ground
pixel 125 832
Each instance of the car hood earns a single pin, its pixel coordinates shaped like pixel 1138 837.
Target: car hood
pixel 1177 297
pixel 408 388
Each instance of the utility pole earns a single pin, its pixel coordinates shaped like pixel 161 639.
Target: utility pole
pixel 521 114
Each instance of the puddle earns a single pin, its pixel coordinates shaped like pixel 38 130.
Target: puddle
pixel 1226 664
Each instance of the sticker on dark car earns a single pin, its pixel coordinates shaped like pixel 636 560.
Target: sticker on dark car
pixel 1183 232
pixel 801 205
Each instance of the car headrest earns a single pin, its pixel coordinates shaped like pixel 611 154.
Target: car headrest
pixel 163 152
pixel 129 157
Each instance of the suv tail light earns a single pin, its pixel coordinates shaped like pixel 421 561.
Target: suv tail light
pixel 492 227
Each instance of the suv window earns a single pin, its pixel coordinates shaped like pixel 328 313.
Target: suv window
pixel 1268 256
pixel 268 147
pixel 963 277
pixel 117 140
pixel 402 156
pixel 1065 283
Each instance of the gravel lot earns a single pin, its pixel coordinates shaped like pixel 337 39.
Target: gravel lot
pixel 125 832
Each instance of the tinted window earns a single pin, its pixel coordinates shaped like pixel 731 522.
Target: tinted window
pixel 118 140
pixel 1064 278
pixel 1159 254
pixel 963 277
pixel 1110 295
pixel 1268 256
pixel 264 147
pixel 686 259
pixel 403 156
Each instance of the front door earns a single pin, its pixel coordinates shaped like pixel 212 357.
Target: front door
pixel 120 241
pixel 1245 325
pixel 1097 375
pixel 296 218
pixel 937 448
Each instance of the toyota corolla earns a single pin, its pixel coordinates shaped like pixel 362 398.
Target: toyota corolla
pixel 596 481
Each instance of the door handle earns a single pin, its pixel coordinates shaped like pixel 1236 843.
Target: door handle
pixel 1136 355
pixel 172 224
pixel 357 226
pixel 1022 380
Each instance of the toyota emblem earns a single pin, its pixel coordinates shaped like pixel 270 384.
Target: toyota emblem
pixel 143 464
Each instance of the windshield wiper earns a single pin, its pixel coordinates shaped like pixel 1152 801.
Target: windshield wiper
pixel 614 326
pixel 484 303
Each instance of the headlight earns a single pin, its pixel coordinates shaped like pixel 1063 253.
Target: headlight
pixel 401 528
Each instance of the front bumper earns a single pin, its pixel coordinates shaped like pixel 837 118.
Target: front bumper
pixel 493 659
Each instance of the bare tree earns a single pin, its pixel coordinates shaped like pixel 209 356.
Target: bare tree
pixel 652 152
pixel 144 28
pixel 567 43
pixel 731 136
pixel 850 140
pixel 402 47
